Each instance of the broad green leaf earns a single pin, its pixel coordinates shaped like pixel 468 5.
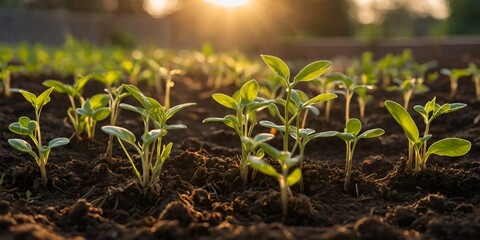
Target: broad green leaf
pixel 138 110
pixel 225 100
pixel 151 136
pixel 320 98
pixel 353 126
pixel 59 86
pixel 404 119
pixel 138 95
pixel 249 91
pixel 81 81
pixel 30 97
pixel 99 100
pixel 271 151
pixel 101 113
pixel 43 98
pixel 269 124
pixel 376 132
pixel 120 132
pixel 263 137
pixel 450 147
pixel 322 134
pixel 20 145
pixel 278 66
pixel 294 177
pixel 57 142
pixel 455 107
pixel 312 71
pixel 228 120
pixel 346 136
pixel 291 161
pixel 24 126
pixel 173 110
pixel 263 166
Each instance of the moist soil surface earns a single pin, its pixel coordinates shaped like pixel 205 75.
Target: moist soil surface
pixel 201 196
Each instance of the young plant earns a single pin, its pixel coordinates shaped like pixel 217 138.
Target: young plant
pixel 74 93
pixel 292 104
pixel 168 76
pixel 325 85
pixel 450 147
pixel 363 94
pixel 454 74
pixel 151 150
pixel 115 98
pixel 246 105
pixel 93 110
pixel 351 136
pixel 475 72
pixel 347 87
pixel 408 88
pixel 285 177
pixel 31 128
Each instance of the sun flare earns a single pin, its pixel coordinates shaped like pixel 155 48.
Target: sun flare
pixel 228 3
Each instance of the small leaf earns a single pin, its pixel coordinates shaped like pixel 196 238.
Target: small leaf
pixel 420 109
pixel 278 66
pixel 59 86
pixel 353 126
pixel 99 100
pixel 138 110
pixel 225 100
pixel 347 137
pixel 30 97
pixel 312 71
pixel 320 98
pixel 249 91
pixel 376 132
pixel 263 166
pixel 450 147
pixel 175 127
pixel 404 119
pixel 166 151
pixel 263 137
pixel 138 95
pixel 151 136
pixel 294 177
pixel 271 151
pixel 269 124
pixel 101 113
pixel 291 161
pixel 57 142
pixel 20 144
pixel 313 110
pixel 173 110
pixel 120 132
pixel 43 98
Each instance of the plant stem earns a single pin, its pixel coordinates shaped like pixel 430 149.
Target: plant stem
pixel 284 193
pixel 348 167
pixel 328 106
pixel 410 157
pixel 476 79
pixel 361 105
pixel 453 86
pixel 6 83
pixel 168 85
pixel 287 124
pixel 43 170
pixel 348 97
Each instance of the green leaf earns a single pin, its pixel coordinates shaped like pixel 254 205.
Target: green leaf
pixel 99 100
pixel 404 119
pixel 294 177
pixel 120 132
pixel 263 166
pixel 80 82
pixel 249 91
pixel 278 66
pixel 30 97
pixel 166 152
pixel 138 110
pixel 57 142
pixel 269 124
pixel 376 132
pixel 23 128
pixel 101 113
pixel 175 127
pixel 138 95
pixel 320 98
pixel 20 145
pixel 450 147
pixel 151 136
pixel 295 98
pixel 455 107
pixel 59 87
pixel 312 71
pixel 173 110
pixel 353 126
pixel 225 100
pixel 43 98
pixel 271 151
pixel 313 109
pixel 263 137
pixel 420 109
pixel 290 161
pixel 347 137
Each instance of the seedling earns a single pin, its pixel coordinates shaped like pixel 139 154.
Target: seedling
pixel 347 87
pixel 351 136
pixel 454 74
pixel 408 88
pixel 168 76
pixel 74 93
pixel 151 150
pixel 363 95
pixel 450 147
pixel 132 69
pixel 246 104
pixel 475 72
pixel 93 110
pixel 285 178
pixel 293 104
pixel 31 128
pixel 325 85
pixel 115 97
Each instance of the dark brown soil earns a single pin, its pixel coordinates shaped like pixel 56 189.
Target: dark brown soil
pixel 202 197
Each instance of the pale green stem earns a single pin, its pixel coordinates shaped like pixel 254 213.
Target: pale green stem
pixel 284 193
pixel 453 86
pixel 328 107
pixel 6 84
pixel 476 79
pixel 348 98
pixel 361 106
pixel 287 124
pixel 410 156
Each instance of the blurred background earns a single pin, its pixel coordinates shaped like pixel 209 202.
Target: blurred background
pixel 298 28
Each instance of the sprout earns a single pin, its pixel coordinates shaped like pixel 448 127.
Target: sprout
pixel 93 110
pixel 454 74
pixel 31 128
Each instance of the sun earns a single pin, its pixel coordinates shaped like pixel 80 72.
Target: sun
pixel 228 3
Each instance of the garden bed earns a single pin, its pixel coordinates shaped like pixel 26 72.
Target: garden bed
pixel 202 196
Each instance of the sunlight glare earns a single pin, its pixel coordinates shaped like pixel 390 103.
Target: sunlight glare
pixel 229 3
pixel 160 8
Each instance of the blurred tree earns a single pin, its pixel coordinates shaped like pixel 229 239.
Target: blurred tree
pixel 464 17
